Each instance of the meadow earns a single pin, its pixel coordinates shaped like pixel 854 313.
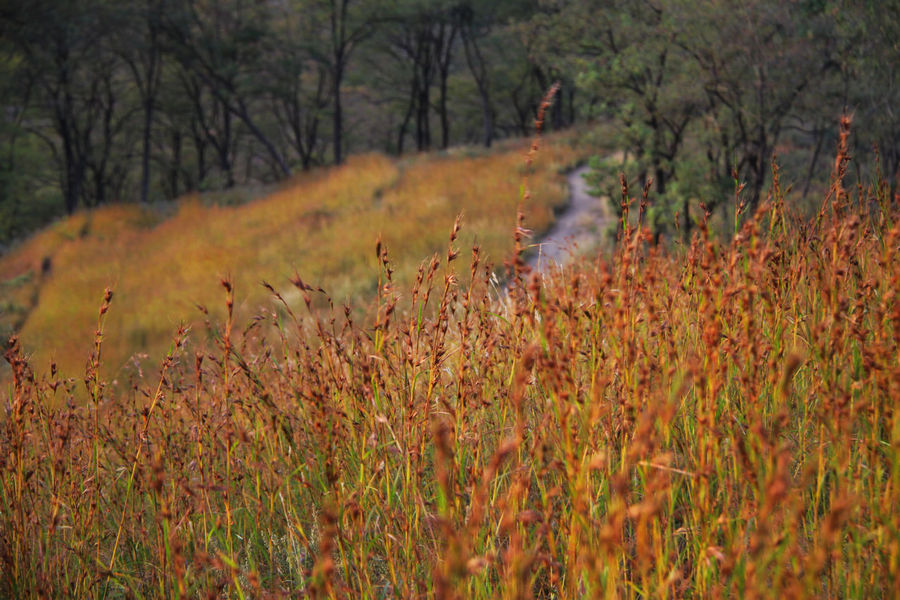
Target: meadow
pixel 163 262
pixel 716 419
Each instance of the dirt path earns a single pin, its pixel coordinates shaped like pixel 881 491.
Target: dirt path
pixel 578 229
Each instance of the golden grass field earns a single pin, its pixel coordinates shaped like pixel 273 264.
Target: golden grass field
pixel 322 226
pixel 716 419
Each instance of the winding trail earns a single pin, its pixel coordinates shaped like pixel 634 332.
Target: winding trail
pixel 578 229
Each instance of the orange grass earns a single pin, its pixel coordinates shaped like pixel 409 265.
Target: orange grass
pixel 321 226
pixel 720 421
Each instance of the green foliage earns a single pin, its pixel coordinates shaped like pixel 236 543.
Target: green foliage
pixel 705 92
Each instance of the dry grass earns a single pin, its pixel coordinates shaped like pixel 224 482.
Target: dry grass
pixel 321 226
pixel 718 421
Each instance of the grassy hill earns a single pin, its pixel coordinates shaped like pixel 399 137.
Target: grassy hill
pixel 322 226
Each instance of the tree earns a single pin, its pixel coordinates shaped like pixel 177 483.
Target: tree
pixel 626 53
pixel 221 44
pixel 418 38
pixel 22 165
pixel 297 80
pixel 211 125
pixel 140 45
pixel 869 82
pixel 476 26
pixel 756 61
pixel 350 22
pixel 78 108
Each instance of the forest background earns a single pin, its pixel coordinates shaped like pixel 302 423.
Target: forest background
pixel 144 101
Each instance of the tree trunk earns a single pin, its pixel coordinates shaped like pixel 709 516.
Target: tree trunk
pixel 72 182
pixel 487 118
pixel 820 138
pixel 571 94
pixel 442 107
pixel 224 149
pixel 661 180
pixel 478 68
pixel 200 149
pixel 423 130
pixel 145 155
pixel 73 186
pixel 445 56
pixel 338 133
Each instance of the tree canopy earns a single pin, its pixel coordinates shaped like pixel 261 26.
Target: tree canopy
pixel 113 102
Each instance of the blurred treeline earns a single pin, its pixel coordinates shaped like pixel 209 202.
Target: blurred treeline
pixel 119 101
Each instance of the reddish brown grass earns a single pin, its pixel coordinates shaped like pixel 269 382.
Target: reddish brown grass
pixel 713 421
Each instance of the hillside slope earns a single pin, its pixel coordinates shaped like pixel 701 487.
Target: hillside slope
pixel 322 225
